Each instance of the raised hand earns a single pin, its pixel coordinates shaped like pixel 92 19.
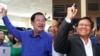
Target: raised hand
pixel 71 12
pixel 3 10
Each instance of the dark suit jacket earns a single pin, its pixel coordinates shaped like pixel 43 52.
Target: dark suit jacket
pixel 72 46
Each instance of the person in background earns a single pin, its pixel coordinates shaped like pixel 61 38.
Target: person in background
pixel 71 32
pixel 2 38
pixel 51 31
pixel 16 47
pixel 96 39
pixel 55 25
pixel 35 42
pixel 11 39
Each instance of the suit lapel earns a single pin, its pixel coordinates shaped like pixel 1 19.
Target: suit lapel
pixel 94 50
pixel 79 41
pixel 82 46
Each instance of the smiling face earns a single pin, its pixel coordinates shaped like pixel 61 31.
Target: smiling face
pixel 55 26
pixel 2 37
pixel 10 36
pixel 84 28
pixel 38 23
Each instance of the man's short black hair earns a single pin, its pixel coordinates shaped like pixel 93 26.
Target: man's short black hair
pixel 89 19
pixel 37 13
pixel 58 20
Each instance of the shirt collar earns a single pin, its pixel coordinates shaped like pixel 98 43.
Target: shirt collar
pixel 89 41
pixel 41 34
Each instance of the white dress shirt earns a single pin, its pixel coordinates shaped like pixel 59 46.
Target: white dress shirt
pixel 88 47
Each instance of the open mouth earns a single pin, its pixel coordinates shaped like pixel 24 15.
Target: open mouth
pixel 41 26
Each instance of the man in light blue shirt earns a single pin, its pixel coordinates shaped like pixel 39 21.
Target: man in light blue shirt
pixel 2 37
pixel 34 42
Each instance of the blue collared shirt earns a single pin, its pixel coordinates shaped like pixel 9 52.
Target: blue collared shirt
pixel 41 45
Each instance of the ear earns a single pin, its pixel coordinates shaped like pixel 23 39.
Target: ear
pixel 76 28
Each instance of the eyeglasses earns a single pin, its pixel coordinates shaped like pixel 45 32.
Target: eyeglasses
pixel 87 25
pixel 39 20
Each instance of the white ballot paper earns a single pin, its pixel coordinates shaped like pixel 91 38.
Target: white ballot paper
pixel 5 51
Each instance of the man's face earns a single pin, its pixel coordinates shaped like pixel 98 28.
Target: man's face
pixel 55 26
pixel 38 23
pixel 50 31
pixel 2 36
pixel 10 36
pixel 84 28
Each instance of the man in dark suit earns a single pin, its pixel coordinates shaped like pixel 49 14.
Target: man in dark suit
pixel 80 44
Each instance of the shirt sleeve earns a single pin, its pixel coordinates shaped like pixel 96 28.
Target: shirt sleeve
pixel 16 33
pixel 68 20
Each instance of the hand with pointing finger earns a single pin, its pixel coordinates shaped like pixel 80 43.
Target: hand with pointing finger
pixel 71 12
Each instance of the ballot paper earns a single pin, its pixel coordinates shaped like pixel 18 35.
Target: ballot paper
pixel 5 51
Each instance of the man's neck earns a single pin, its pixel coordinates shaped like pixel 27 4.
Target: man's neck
pixel 85 39
pixel 36 33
